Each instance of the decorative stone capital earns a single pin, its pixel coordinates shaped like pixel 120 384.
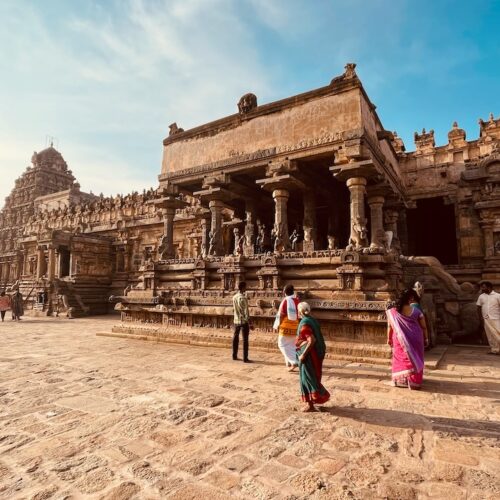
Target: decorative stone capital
pixel 281 193
pixel 376 200
pixel 356 181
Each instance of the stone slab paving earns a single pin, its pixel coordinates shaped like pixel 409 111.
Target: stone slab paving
pixel 83 416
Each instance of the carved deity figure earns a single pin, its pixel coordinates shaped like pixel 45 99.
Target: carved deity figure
pixel 162 248
pixel 277 235
pixel 349 282
pixel 294 239
pixel 419 288
pixel 238 242
pixel 497 247
pixel 332 242
pixel 213 235
pixel 388 240
pixel 146 255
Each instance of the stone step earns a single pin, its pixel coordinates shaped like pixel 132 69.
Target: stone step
pixel 340 350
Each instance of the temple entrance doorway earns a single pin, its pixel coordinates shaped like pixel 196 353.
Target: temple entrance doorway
pixel 432 230
pixel 64 260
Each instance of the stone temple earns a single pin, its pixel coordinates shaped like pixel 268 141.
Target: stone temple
pixel 309 190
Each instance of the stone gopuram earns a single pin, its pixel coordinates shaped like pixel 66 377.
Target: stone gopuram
pixel 310 190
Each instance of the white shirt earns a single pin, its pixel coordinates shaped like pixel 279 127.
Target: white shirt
pixel 490 305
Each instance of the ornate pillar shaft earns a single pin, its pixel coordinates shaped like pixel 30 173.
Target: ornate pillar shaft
pixel 309 223
pixel 51 264
pixel 168 231
pixel 280 197
pixel 215 244
pixel 40 263
pixel 249 242
pixel 357 190
pixel 377 221
pixel 126 258
pixel 204 236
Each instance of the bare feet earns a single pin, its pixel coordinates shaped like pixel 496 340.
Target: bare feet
pixel 291 368
pixel 309 408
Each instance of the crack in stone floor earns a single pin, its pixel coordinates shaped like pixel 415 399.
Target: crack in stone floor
pixel 83 416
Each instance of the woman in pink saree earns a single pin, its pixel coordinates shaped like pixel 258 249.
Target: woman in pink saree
pixel 407 335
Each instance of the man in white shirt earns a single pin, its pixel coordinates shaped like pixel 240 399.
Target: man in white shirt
pixel 241 321
pixel 488 309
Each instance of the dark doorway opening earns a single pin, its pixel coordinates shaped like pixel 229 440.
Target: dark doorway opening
pixel 432 230
pixel 64 259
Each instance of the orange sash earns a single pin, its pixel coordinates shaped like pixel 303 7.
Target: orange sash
pixel 288 327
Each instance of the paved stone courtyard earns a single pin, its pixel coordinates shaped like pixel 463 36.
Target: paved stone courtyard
pixel 83 416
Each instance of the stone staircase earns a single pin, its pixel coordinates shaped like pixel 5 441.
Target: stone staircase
pixel 83 295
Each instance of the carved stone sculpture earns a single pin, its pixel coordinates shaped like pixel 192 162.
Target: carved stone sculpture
pixel 358 234
pixel 174 129
pixel 332 242
pixel 294 238
pixel 247 103
pixel 388 240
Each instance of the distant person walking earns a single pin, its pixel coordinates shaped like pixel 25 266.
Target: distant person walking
pixel 4 304
pixel 286 323
pixel 17 305
pixel 407 335
pixel 241 321
pixel 488 309
pixel 311 350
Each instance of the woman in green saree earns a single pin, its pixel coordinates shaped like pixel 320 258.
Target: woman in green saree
pixel 311 351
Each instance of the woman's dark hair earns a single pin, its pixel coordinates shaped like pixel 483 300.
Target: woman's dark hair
pixel 242 286
pixel 289 290
pixel 407 296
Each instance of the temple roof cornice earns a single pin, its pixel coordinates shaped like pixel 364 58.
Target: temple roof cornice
pixel 337 86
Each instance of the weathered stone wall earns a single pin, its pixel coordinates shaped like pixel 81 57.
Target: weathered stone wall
pixel 321 118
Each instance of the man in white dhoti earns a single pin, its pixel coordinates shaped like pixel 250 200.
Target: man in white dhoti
pixel 488 308
pixel 286 323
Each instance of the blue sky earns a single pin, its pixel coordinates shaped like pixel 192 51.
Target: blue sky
pixel 107 77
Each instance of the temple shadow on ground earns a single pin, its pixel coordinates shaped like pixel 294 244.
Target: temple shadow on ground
pixel 407 420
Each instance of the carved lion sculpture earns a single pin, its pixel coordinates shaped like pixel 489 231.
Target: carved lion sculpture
pixel 359 232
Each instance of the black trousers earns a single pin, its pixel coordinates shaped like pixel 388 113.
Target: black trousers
pixel 2 313
pixel 245 330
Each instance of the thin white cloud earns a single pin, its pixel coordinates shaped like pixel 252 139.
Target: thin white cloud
pixel 102 83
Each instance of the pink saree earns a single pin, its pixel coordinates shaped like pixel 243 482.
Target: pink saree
pixel 407 342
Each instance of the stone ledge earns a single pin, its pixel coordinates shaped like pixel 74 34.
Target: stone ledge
pixel 346 351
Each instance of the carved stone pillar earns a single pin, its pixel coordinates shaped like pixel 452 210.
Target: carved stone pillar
pixel 205 227
pixel 20 264
pixel 309 223
pixel 126 258
pixel 168 231
pixel 40 262
pixel 249 243
pixel 357 190
pixel 51 263
pixel 377 222
pixel 282 242
pixel 215 244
